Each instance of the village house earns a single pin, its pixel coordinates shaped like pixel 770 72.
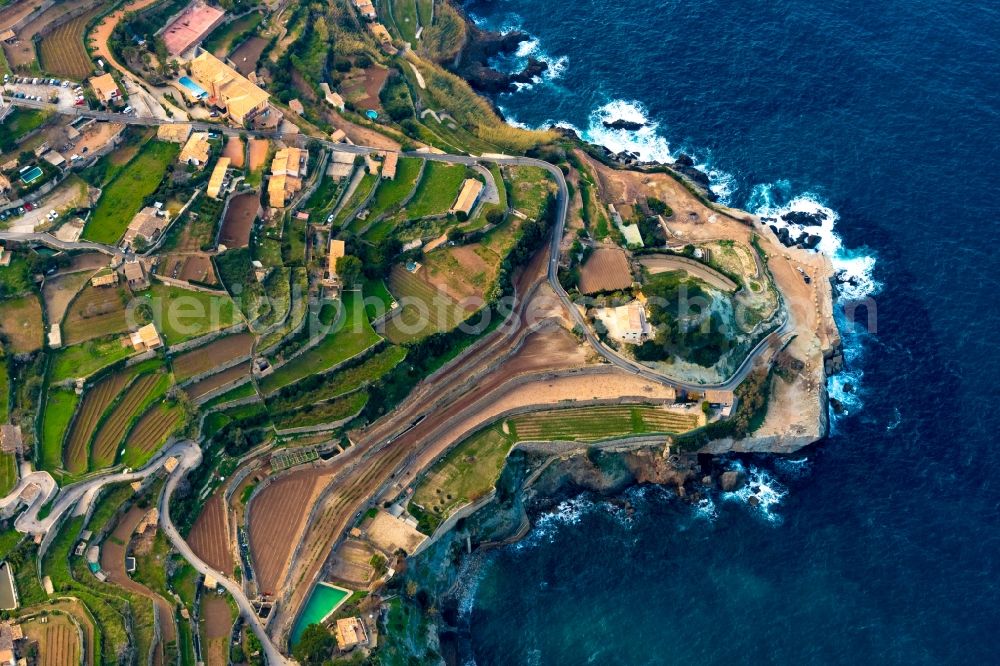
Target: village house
pixel 106 277
pixel 287 170
pixel 147 224
pixel 332 98
pixel 196 150
pixel 383 37
pixel 105 88
pixel 218 177
pixel 468 196
pixel 366 9
pixel 228 89
pixel 389 166
pixel 175 133
pixel 337 250
pixel 135 275
pixel 351 633
pixel 146 338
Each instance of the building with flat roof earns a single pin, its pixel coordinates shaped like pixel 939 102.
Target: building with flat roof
pixel 196 150
pixel 146 338
pixel 191 26
pixel 468 196
pixel 105 88
pixel 228 89
pixel 351 632
pixel 218 177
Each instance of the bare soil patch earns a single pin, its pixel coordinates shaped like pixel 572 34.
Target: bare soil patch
pixel 606 269
pixel 59 292
pixel 258 153
pixel 247 55
pixel 235 151
pixel 239 220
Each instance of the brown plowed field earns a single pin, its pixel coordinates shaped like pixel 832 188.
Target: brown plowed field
pixel 95 401
pixel 113 553
pixel 277 515
pixel 113 429
pixel 62 49
pixel 214 354
pixel 154 427
pixel 199 389
pixel 239 220
pixel 209 537
pixel 607 269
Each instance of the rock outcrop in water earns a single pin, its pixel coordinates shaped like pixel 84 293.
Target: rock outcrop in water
pixel 473 63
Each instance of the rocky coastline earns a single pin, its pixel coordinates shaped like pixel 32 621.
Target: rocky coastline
pixel 481 47
pixel 537 479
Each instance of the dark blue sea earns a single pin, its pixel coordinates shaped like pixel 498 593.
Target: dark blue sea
pixel 882 543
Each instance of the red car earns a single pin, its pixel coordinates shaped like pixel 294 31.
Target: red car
pixel 28 206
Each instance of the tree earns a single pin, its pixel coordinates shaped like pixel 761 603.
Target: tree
pixel 315 646
pixel 348 269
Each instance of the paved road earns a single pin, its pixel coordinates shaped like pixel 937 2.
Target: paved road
pixel 83 493
pixel 53 242
pixel 273 654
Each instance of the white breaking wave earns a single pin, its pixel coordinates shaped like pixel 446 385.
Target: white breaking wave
pixel 645 142
pixel 854 268
pixel 762 492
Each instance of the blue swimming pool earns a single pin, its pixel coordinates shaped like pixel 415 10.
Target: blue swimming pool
pixel 196 90
pixel 31 175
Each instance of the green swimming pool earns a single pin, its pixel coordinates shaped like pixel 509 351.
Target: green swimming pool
pixel 323 600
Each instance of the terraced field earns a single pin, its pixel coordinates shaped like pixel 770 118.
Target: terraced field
pixel 424 309
pixel 142 392
pixel 212 355
pixel 346 339
pixel 95 313
pixel 58 640
pixel 467 473
pixel 95 402
pixel 150 432
pixel 62 50
pixel 592 423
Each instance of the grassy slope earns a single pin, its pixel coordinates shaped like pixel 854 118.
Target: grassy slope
pixel 59 409
pixel 352 336
pixel 183 314
pixel 124 196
